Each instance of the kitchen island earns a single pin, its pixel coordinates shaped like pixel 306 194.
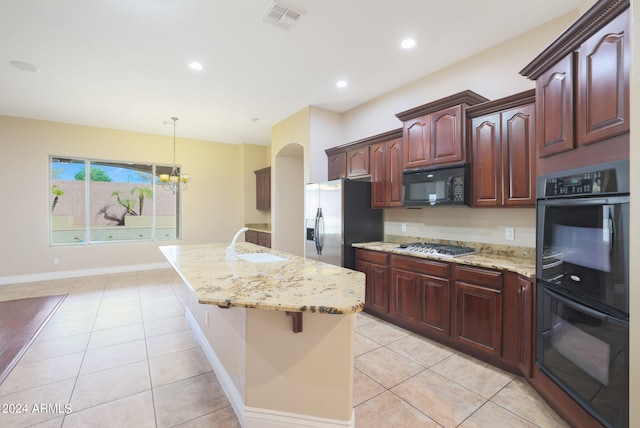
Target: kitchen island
pixel 278 331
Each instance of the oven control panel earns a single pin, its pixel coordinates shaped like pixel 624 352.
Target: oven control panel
pixel 587 183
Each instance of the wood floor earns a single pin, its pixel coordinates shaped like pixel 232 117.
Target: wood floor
pixel 20 322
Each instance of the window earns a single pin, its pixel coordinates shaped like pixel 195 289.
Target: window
pixel 116 201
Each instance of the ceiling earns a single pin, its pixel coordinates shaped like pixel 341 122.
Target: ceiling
pixel 122 64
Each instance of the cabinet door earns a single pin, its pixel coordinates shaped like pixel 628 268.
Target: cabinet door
pixel 264 239
pixel 378 288
pixel 358 162
pixel 434 304
pixel 519 156
pixel 525 325
pixel 394 173
pixel 404 296
pixel 337 166
pixel 251 236
pixel 554 109
pixel 379 175
pixel 446 136
pixel 416 135
pixel 603 83
pixel 486 168
pixel 263 189
pixel 479 317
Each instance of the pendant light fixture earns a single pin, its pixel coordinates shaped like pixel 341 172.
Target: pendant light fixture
pixel 175 179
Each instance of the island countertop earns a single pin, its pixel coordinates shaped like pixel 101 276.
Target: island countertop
pixel 296 285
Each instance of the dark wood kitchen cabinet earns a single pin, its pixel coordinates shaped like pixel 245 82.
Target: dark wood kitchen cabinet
pixel 374 265
pixel 484 312
pixel 358 162
pixel 348 161
pixel 257 237
pixel 263 189
pixel 582 91
pixel 404 305
pixel 434 133
pixel 337 165
pixel 386 172
pixel 430 285
pixel 478 309
pixel 519 306
pixel 503 152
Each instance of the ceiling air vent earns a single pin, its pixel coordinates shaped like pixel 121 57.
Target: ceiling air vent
pixel 280 16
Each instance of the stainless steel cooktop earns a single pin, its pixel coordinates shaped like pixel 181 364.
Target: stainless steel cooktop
pixel 437 249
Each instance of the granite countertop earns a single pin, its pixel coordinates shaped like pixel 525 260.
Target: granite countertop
pixel 259 227
pixel 522 265
pixel 297 284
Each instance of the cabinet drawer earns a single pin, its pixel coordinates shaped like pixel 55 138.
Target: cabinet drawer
pixel 372 256
pixel 479 276
pixel 423 266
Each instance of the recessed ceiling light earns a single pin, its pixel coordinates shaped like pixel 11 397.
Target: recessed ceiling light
pixel 408 43
pixel 195 66
pixel 24 66
pixel 342 84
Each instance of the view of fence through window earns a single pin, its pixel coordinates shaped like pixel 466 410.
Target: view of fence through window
pixel 116 201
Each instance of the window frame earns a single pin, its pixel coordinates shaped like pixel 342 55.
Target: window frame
pixel 88 227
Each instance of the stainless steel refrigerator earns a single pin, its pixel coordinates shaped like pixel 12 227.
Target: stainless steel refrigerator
pixel 338 213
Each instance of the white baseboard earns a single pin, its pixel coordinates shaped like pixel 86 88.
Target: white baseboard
pixel 17 279
pixel 253 417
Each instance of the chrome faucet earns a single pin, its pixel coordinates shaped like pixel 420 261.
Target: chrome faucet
pixel 231 248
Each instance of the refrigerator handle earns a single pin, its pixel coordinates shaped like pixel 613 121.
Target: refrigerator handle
pixel 319 231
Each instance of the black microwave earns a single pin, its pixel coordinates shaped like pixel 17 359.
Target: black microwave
pixel 443 186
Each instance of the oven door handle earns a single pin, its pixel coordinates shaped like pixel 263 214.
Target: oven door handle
pixel 575 304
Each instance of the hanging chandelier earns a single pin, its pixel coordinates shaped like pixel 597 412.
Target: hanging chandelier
pixel 175 179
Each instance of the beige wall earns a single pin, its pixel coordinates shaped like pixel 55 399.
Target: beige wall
pixel 212 207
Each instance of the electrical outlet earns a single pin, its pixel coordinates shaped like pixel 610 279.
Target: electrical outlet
pixel 206 317
pixel 510 234
pixel 404 227
pixel 56 260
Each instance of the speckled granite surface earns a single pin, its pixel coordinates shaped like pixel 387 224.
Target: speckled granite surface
pixel 259 227
pixel 518 261
pixel 297 285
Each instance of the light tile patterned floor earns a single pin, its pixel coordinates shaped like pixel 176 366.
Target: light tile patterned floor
pixel 119 353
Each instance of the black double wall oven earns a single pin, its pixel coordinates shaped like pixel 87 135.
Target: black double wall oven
pixel 582 269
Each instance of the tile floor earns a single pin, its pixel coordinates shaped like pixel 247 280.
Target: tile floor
pixel 118 352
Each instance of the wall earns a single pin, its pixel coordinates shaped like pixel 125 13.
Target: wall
pixel 212 211
pixel 325 132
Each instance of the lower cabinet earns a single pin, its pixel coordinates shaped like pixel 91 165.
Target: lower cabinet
pixel 478 309
pixel 485 312
pixel 258 238
pixel 374 264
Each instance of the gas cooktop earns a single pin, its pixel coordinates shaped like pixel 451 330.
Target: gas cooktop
pixel 437 249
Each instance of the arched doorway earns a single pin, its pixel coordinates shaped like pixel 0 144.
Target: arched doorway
pixel 288 211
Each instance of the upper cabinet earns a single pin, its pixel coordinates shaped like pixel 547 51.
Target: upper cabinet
pixel 434 133
pixel 503 151
pixel 582 91
pixel 348 161
pixel 378 158
pixel 386 171
pixel 263 188
pixel 337 165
